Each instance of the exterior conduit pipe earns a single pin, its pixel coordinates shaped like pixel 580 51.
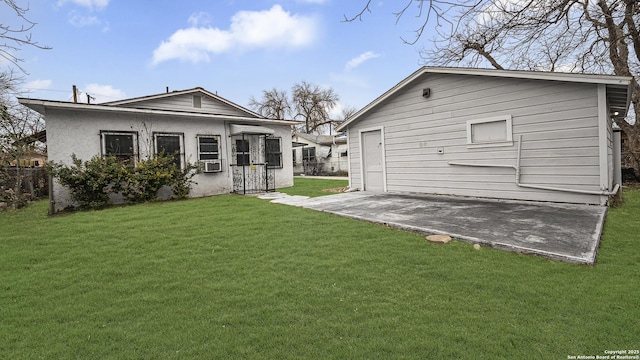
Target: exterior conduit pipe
pixel 531 186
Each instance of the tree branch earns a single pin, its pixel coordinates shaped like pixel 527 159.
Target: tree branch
pixel 631 9
pixel 11 35
pixel 358 15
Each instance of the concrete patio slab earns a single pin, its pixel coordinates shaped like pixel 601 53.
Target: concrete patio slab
pixel 563 232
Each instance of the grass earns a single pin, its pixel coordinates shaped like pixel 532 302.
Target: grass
pixel 313 187
pixel 238 277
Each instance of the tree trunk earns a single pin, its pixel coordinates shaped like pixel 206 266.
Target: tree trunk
pixel 632 152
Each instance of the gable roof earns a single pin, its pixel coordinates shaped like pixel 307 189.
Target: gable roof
pixel 200 90
pixel 41 106
pixel 618 87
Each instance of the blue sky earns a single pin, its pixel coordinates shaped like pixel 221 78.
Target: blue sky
pixel 114 49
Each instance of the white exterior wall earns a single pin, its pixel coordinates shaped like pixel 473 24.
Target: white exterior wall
pixel 284 176
pixel 77 132
pixel 559 123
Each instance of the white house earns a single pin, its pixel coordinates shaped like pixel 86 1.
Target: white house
pixel 239 151
pixel 491 133
pixel 320 154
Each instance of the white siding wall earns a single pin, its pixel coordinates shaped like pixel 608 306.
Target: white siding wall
pixel 610 144
pixel 558 122
pixel 79 133
pixel 185 103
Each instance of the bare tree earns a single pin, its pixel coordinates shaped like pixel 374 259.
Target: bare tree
pixel 345 113
pixel 309 103
pixel 274 104
pixel 13 37
pixel 348 111
pixel 586 36
pixel 18 125
pixel 312 105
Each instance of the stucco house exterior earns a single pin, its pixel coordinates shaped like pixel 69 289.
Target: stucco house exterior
pixel 320 154
pixel 491 133
pixel 237 150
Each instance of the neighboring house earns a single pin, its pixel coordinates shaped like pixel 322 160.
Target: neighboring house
pixel 31 158
pixel 491 133
pixel 237 149
pixel 320 154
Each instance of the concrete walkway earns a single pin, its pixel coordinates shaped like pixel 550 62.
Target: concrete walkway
pixel 558 231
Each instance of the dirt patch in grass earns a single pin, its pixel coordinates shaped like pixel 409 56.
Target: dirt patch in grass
pixel 335 190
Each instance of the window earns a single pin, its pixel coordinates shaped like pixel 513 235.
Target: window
pixel 274 153
pixel 122 145
pixel 170 144
pixel 344 154
pixel 308 153
pixel 242 152
pixel 495 131
pixel 293 156
pixel 208 147
pixel 197 101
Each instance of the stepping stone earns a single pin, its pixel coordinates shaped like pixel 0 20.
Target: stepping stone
pixel 443 239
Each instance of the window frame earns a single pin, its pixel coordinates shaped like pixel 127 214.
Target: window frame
pixel 134 139
pixel 308 158
pixel 200 152
pixel 246 153
pixel 181 139
pixel 508 141
pixel 267 153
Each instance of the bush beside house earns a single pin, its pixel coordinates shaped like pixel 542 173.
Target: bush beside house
pixel 94 183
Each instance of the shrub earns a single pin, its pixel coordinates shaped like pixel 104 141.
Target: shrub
pixel 89 182
pixel 148 177
pixel 92 182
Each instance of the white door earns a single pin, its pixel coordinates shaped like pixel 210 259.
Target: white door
pixel 372 161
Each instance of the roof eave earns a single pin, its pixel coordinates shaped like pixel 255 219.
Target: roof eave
pixel 552 76
pixel 41 107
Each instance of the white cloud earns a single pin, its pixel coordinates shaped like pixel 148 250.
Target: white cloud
pixel 91 4
pixel 273 28
pixel 79 20
pixel 357 61
pixel 38 85
pixel 102 93
pixel 199 19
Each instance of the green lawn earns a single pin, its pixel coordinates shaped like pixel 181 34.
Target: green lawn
pixel 313 187
pixel 238 277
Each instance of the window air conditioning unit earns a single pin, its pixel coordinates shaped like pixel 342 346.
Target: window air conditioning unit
pixel 212 166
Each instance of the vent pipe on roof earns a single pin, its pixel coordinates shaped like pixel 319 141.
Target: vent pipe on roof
pixel 167 89
pixel 75 94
